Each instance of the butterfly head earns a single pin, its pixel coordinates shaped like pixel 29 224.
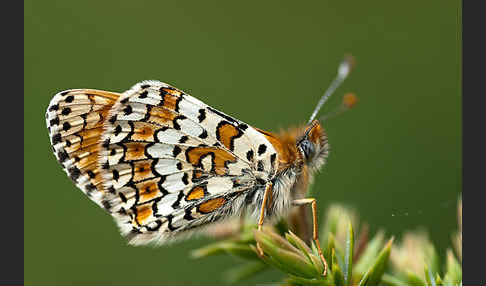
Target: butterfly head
pixel 313 145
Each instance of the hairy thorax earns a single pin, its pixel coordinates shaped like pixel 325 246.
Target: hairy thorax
pixel 293 175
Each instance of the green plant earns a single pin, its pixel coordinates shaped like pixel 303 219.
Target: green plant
pixel 353 258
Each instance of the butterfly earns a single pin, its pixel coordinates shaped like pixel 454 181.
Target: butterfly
pixel 164 164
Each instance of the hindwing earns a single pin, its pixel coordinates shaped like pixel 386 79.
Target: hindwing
pixel 74 120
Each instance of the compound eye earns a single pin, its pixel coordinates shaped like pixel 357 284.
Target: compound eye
pixel 308 148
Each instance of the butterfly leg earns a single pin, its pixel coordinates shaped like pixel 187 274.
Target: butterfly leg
pixel 268 190
pixel 315 237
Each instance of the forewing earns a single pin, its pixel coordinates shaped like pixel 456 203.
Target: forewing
pixel 74 120
pixel 171 163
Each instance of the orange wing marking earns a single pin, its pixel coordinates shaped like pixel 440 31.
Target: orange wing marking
pixel 219 157
pixel 195 193
pixel 211 205
pixel 135 151
pixel 226 133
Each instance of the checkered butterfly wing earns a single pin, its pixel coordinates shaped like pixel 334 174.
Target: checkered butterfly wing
pixel 170 163
pixel 75 123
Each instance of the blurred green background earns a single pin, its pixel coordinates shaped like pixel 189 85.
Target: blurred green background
pixel 396 157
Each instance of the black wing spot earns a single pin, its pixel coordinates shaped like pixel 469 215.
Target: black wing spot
pixel 185 179
pixel 145 86
pixel 118 129
pixel 176 125
pixel 112 119
pixel 54 107
pixel 111 190
pixel 177 203
pixel 90 187
pixel 69 99
pixel 183 139
pixel 74 173
pixel 66 111
pixel 106 205
pixel 262 149
pixel 116 175
pixel 202 115
pixel 56 138
pixel 180 117
pixel 187 215
pixel 178 101
pixel 122 197
pixel 106 143
pixel 176 151
pixel 243 126
pixel 66 126
pixel 249 155
pixel 91 174
pixel 143 94
pixel 62 155
pixel 203 135
pixel 122 211
pixel 128 110
pixel 54 121
pixel 169 225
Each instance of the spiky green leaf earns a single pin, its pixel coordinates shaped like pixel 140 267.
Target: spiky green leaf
pixel 285 260
pixel 298 243
pixel 348 255
pixel 369 254
pixel 327 281
pixel 336 271
pixel 413 279
pixel 373 276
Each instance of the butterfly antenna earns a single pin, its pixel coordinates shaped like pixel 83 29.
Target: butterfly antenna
pixel 349 101
pixel 343 71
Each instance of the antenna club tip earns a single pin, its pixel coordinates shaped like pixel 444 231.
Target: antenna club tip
pixel 349 100
pixel 350 60
pixel 346 66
